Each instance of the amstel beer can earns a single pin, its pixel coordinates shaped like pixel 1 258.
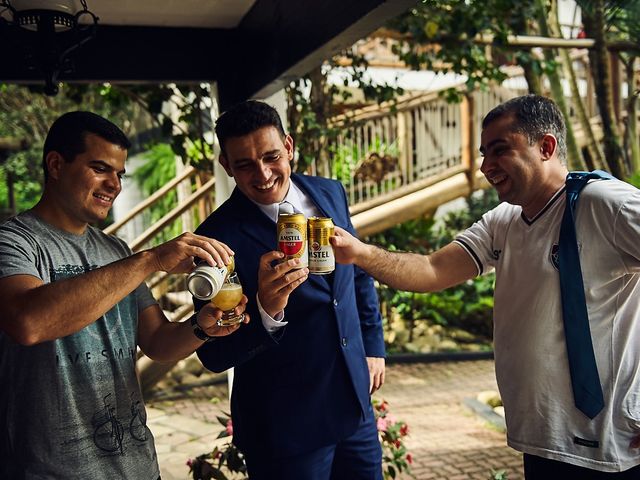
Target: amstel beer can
pixel 205 281
pixel 292 237
pixel 321 258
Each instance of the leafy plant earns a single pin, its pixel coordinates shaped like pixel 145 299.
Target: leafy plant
pixel 499 475
pixel 468 306
pixel 158 169
pixel 227 461
pixel 221 461
pixel 395 456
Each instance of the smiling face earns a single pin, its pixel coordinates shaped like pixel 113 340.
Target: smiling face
pixel 260 164
pixel 522 174
pixel 82 191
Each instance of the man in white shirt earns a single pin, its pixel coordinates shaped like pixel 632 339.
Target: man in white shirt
pixel 523 144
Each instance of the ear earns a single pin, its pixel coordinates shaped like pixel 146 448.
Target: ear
pixel 225 164
pixel 548 146
pixel 288 145
pixel 54 162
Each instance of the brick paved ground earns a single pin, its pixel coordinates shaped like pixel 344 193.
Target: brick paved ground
pixel 446 439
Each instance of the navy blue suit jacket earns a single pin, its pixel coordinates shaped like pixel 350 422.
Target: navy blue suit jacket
pixel 306 385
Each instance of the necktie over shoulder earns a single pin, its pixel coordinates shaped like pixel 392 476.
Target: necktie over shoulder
pixel 585 381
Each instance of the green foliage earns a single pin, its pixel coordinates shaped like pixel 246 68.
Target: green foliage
pixel 468 306
pixel 499 475
pixel 159 168
pixel 313 102
pixel 181 111
pixel 396 459
pixel 223 462
pixel 634 179
pixel 227 461
pixel 307 125
pixel 441 35
pixel 346 157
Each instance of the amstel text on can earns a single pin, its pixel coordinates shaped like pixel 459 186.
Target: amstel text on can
pixel 321 258
pixel 292 237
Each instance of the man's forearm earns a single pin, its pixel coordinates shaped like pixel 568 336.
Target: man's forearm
pixel 395 269
pixel 60 308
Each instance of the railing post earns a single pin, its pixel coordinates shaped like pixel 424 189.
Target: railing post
pixel 404 145
pixel 468 143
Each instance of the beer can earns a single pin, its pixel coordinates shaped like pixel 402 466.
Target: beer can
pixel 321 258
pixel 292 237
pixel 205 281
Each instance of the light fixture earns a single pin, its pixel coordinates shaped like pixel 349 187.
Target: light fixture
pixel 47 32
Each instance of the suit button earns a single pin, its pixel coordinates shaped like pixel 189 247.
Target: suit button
pixel 335 302
pixel 344 341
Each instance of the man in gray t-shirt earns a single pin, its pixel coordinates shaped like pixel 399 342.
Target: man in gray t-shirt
pixel 73 310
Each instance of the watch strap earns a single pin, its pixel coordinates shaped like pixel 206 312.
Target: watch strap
pixel 198 331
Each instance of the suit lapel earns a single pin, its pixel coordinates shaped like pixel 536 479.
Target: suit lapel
pixel 254 224
pixel 320 196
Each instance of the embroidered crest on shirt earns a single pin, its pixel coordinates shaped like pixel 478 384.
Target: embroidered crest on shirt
pixel 553 255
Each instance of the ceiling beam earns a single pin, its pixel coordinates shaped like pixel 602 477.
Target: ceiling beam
pixel 302 35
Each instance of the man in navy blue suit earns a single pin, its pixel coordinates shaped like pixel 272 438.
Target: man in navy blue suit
pixel 305 370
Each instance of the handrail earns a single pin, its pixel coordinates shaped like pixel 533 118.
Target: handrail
pixel 145 236
pixel 114 227
pixel 407 189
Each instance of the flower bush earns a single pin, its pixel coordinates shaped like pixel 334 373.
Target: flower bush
pixel 223 463
pixel 395 457
pixel 226 462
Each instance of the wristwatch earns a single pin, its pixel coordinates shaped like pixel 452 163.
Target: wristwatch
pixel 197 330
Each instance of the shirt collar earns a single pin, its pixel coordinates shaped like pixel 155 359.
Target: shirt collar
pixel 293 196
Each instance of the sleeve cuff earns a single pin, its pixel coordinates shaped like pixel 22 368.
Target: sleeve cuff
pixel 270 324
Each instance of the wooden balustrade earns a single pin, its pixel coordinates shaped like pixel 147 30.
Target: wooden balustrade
pixel 151 200
pixel 167 219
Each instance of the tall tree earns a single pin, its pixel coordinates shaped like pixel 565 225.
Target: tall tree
pixel 596 16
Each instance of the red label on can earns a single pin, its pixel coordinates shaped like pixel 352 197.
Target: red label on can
pixel 290 241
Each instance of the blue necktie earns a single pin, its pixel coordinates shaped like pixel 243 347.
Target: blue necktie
pixel 587 391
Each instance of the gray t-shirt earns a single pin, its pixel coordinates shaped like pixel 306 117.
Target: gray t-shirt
pixel 72 408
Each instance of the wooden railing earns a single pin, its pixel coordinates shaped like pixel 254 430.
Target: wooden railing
pixel 422 138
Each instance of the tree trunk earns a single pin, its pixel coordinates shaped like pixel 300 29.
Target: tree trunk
pixel 594 25
pixel 533 79
pixel 632 141
pixel 594 159
pixel 575 160
pixel 11 192
pixel 531 74
pixel 320 105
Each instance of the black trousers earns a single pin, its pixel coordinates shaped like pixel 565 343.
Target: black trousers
pixel 538 468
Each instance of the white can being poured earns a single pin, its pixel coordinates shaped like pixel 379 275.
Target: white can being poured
pixel 205 281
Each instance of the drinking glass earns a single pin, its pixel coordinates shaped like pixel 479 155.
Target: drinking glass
pixel 227 299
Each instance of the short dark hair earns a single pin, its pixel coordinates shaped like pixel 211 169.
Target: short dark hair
pixel 246 117
pixel 535 116
pixel 67 135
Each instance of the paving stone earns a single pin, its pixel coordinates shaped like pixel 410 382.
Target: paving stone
pixel 446 439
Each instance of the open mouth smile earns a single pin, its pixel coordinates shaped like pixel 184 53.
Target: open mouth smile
pixel 496 179
pixel 266 186
pixel 104 198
